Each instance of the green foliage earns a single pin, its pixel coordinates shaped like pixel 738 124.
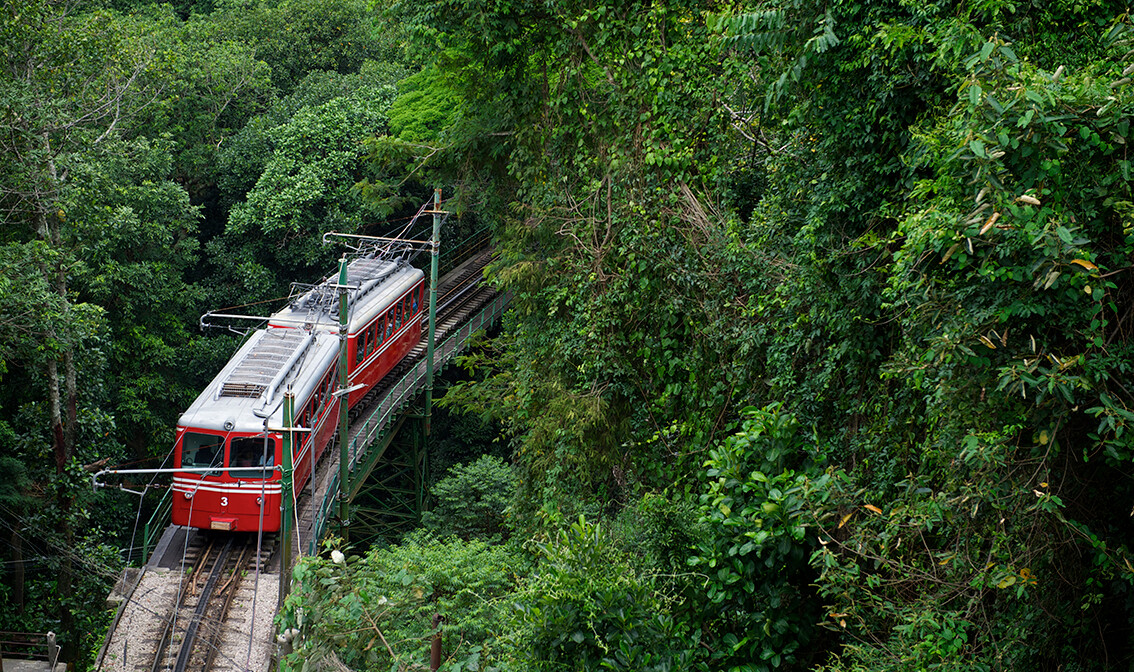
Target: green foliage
pixel 1009 337
pixel 375 612
pixel 769 32
pixel 426 106
pixel 31 315
pixel 763 485
pixel 136 230
pixel 92 565
pixel 658 534
pixel 203 86
pixel 586 609
pixel 242 157
pixel 589 133
pixel 459 436
pixel 305 190
pixel 908 223
pixel 296 37
pixel 472 501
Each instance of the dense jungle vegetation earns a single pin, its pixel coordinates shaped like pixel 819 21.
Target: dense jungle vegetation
pixel 820 348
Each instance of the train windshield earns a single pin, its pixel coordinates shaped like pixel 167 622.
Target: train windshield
pixel 247 458
pixel 201 450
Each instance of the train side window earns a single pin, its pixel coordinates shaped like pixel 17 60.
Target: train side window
pixel 201 450
pixel 251 457
pixel 398 315
pixel 361 343
pixel 389 325
pixel 406 307
pixel 416 300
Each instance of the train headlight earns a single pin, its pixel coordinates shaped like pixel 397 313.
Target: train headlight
pixel 188 495
pixel 228 425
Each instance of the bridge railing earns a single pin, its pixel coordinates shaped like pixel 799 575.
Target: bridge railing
pixel 400 394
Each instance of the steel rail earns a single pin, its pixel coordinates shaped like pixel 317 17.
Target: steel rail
pixel 187 644
pixel 229 591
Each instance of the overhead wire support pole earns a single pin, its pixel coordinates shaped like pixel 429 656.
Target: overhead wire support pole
pixel 286 494
pixel 344 396
pixel 435 245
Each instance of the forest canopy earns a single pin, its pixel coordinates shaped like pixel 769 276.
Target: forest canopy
pixel 819 343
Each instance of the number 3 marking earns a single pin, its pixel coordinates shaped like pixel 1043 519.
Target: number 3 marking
pixel 224 501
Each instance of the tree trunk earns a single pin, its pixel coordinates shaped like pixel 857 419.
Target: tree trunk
pixel 17 582
pixel 49 229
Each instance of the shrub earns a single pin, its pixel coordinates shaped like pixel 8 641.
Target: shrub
pixel 376 612
pixel 471 502
pixel 587 609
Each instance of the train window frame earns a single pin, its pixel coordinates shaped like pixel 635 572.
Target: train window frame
pixel 213 439
pixel 256 469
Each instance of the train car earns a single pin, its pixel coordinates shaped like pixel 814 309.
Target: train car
pixel 229 436
pixel 385 317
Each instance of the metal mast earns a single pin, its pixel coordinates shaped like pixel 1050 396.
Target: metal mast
pixel 435 243
pixel 344 394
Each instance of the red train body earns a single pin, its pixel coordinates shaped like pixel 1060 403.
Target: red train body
pixel 230 436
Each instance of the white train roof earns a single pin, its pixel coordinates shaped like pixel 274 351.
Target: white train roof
pixel 251 386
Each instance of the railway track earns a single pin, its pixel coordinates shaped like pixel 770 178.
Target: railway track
pixel 201 631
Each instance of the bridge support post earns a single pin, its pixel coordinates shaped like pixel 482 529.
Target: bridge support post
pixel 389 501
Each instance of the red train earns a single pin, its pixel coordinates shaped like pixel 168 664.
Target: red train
pixel 228 429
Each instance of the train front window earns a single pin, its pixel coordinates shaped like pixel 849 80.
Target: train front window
pixel 247 460
pixel 201 450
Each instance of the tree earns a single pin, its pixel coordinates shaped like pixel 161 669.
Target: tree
pixel 472 501
pixel 70 80
pixel 763 484
pixel 376 611
pixel 586 609
pixel 591 136
pixel 305 190
pixel 136 231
